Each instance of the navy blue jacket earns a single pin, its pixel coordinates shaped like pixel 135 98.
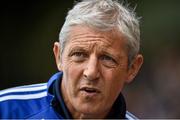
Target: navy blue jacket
pixel 44 101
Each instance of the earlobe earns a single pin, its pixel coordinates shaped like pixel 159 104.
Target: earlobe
pixel 56 50
pixel 134 68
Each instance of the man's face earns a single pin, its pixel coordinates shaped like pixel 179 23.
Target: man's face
pixel 95 68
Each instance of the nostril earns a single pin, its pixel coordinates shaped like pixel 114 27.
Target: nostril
pixel 92 77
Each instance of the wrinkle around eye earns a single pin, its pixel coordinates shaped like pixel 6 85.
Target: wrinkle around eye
pixel 108 61
pixel 78 56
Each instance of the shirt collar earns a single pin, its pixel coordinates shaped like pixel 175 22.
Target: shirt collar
pixel 53 79
pixel 54 89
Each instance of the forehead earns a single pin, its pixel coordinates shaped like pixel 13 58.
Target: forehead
pixel 82 35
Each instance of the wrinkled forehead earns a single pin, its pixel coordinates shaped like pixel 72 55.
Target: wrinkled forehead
pixel 83 34
pixel 91 40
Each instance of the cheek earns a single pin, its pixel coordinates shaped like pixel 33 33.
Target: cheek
pixel 72 74
pixel 114 76
pixel 73 70
pixel 114 82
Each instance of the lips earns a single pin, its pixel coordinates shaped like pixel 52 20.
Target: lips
pixel 90 89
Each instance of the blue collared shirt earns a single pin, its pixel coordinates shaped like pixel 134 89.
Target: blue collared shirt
pixel 44 101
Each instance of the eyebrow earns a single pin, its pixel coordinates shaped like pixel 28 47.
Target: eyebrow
pixel 103 50
pixel 76 49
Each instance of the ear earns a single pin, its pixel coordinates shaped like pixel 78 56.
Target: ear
pixel 134 68
pixel 56 50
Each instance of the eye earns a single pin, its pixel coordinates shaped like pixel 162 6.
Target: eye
pixel 108 61
pixel 78 56
pixel 105 57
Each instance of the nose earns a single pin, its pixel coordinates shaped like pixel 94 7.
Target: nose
pixel 91 72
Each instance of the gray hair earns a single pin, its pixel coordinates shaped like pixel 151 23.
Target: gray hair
pixel 104 15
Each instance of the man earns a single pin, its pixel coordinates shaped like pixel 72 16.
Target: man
pixel 97 54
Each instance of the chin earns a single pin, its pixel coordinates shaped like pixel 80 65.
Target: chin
pixel 89 106
pixel 90 109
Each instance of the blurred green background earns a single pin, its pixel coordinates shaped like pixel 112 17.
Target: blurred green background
pixel 29 29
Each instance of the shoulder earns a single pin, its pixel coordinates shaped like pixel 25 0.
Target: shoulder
pixel 16 93
pixel 20 102
pixel 130 116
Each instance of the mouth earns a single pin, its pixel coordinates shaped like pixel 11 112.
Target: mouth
pixel 90 90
